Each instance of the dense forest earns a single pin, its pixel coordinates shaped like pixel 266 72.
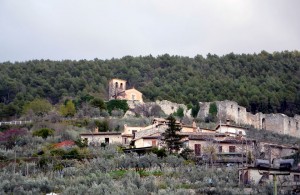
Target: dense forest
pixel 266 82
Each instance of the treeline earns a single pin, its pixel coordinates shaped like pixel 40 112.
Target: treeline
pixel 266 82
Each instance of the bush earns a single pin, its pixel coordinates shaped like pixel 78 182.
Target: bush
pixel 160 153
pixel 44 133
pixel 117 104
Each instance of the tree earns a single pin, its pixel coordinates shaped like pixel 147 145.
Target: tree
pixel 39 107
pixel 116 105
pixel 171 138
pixel 10 137
pixel 98 103
pixel 213 111
pixel 68 109
pixel 195 110
pixel 180 112
pixel 44 133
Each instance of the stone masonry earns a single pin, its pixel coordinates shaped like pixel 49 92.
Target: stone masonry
pixel 279 123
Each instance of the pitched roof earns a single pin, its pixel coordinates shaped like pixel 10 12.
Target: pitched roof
pixel 101 133
pixel 226 125
pixel 67 143
pixel 132 89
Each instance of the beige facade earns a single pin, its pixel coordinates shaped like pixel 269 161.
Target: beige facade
pixel 221 144
pixel 102 137
pixel 255 176
pixel 148 141
pixel 231 130
pixel 118 90
pixel 134 95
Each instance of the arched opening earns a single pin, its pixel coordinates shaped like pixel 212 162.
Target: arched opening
pixel 121 86
pixel 297 126
pixel 116 84
pixel 263 123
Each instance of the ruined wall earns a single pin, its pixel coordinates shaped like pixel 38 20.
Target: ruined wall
pixel 170 107
pixel 279 123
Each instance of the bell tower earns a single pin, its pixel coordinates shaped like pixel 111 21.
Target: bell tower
pixel 116 89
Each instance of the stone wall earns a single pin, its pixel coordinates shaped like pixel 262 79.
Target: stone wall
pixel 166 106
pixel 170 107
pixel 278 123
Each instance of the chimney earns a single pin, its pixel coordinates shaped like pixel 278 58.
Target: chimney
pixel 227 122
pixel 194 126
pixel 96 130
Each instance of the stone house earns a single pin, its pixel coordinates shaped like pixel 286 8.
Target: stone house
pixel 102 137
pixel 272 151
pixel 231 130
pixel 118 90
pixel 226 149
pixel 96 137
pixel 284 178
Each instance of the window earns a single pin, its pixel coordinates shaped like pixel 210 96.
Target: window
pixel 297 178
pixel 107 140
pixel 231 148
pixel 133 133
pixel 263 123
pixel 121 86
pixel 297 126
pixel 153 142
pixel 125 140
pixel 220 149
pixel 197 148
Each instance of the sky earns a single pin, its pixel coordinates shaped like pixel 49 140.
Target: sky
pixel 105 29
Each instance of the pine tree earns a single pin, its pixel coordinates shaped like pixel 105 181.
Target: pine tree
pixel 171 138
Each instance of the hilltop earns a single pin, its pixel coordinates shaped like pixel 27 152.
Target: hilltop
pixel 264 82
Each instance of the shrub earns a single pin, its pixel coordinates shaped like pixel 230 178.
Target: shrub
pixel 117 104
pixel 11 137
pixel 44 133
pixel 160 153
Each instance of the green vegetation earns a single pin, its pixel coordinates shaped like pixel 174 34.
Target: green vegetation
pixel 39 107
pixel 265 82
pixel 213 111
pixel 179 112
pixel 170 136
pixel 44 133
pixel 117 105
pixel 68 109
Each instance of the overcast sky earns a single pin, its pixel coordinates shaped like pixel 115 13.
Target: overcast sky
pixel 88 29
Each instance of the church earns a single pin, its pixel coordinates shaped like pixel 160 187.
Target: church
pixel 117 90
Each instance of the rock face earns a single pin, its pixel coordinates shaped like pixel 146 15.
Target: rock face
pixel 166 106
pixel 170 107
pixel 279 123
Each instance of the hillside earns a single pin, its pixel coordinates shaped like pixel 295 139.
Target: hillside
pixel 260 82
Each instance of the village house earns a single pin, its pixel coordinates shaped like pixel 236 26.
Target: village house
pixel 272 151
pixel 231 130
pixel 224 148
pixel 284 178
pixel 96 137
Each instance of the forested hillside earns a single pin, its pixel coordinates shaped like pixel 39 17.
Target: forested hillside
pixel 260 82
